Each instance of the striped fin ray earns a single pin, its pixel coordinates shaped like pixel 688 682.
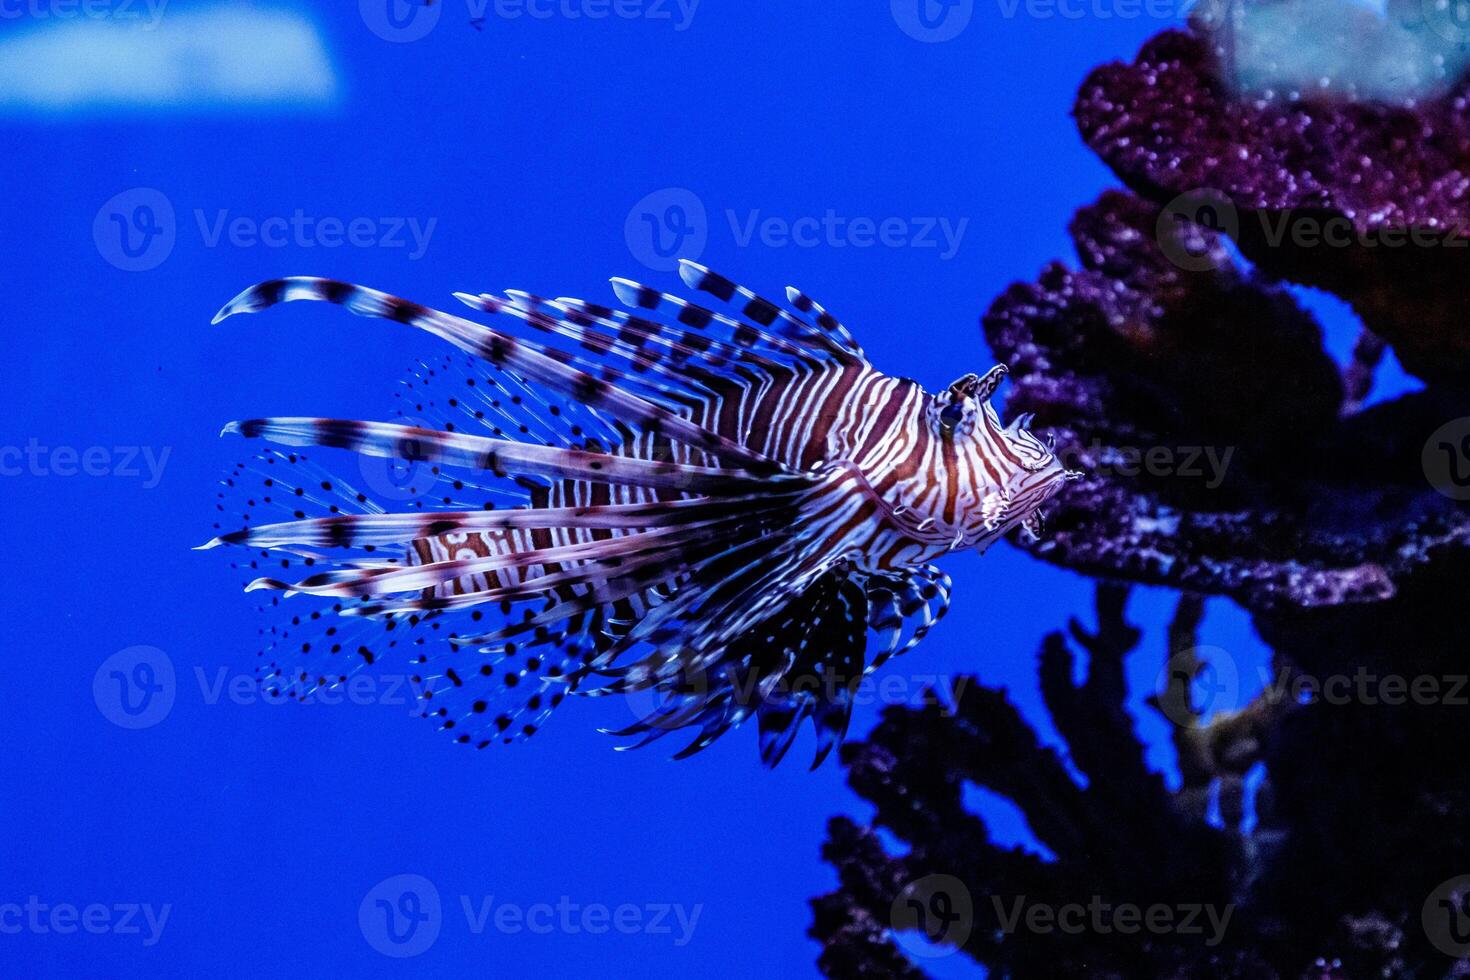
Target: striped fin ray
pixel 818 316
pixel 355 531
pixel 386 439
pixel 750 340
pixel 686 384
pixel 700 348
pixel 827 666
pixel 903 609
pixel 602 357
pixel 532 361
pixel 358 581
pixel 745 538
pixel 462 394
pixel 733 592
pixel 760 310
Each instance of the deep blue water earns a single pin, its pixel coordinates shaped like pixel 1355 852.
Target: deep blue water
pixel 524 152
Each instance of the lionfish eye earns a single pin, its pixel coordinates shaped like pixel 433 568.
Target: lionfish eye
pixel 952 415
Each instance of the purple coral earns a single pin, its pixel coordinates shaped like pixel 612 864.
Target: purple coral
pixel 1340 528
pixel 1368 201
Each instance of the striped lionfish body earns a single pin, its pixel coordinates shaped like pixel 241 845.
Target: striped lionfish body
pixel 720 511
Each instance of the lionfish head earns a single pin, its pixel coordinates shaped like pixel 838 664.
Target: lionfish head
pixel 998 475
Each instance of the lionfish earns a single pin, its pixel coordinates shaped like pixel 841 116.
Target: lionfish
pixel 719 511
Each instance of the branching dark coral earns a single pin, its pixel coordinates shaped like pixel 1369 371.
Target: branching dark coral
pixel 1098 831
pixel 1321 886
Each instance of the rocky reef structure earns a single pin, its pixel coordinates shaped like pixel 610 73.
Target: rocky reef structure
pixel 1339 524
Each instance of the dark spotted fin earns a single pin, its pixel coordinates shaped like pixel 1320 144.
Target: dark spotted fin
pixel 803 662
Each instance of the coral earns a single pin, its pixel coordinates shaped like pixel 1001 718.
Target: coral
pixel 1227 455
pixel 1368 201
pixel 1267 485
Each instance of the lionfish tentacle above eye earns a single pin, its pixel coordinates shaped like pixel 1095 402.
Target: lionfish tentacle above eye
pixel 716 511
